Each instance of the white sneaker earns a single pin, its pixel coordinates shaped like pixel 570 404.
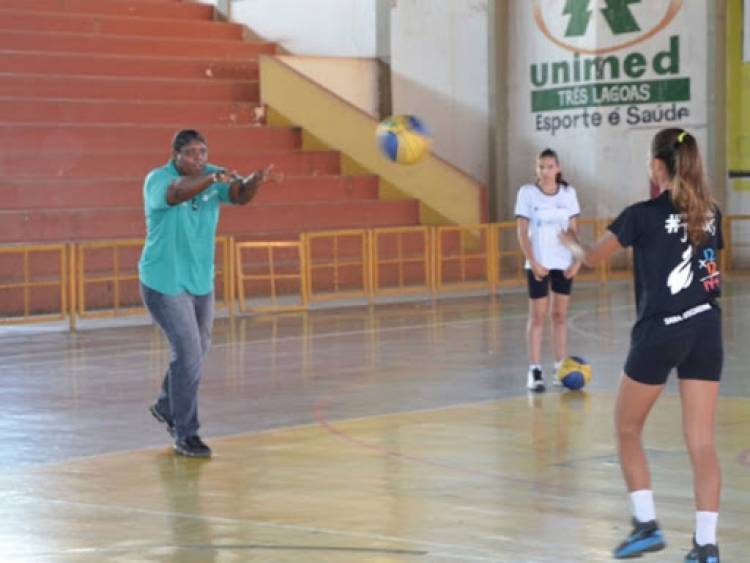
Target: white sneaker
pixel 535 380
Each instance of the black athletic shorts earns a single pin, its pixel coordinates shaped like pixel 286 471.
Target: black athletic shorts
pixel 556 278
pixel 690 342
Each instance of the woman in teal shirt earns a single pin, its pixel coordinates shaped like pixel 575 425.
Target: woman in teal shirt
pixel 176 270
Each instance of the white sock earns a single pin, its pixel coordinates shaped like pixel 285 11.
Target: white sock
pixel 557 366
pixel 643 505
pixel 535 366
pixel 705 527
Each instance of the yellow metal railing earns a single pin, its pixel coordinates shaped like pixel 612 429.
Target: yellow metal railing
pixel 337 264
pixel 274 259
pixel 28 273
pixel 224 271
pixel 106 278
pixel 53 282
pixel 508 260
pixel 463 257
pixel 401 260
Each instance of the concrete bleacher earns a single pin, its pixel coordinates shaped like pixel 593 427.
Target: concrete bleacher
pixel 93 90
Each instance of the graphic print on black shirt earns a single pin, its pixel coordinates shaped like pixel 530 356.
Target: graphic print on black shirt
pixel 671 277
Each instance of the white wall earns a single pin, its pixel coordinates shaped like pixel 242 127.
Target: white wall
pixel 439 72
pixel 339 28
pixel 221 5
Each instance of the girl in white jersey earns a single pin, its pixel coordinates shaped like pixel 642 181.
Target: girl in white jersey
pixel 543 210
pixel 676 239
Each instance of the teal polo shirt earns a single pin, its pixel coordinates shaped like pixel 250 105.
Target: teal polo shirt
pixel 178 256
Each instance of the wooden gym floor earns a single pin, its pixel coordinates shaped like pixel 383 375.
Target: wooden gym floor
pixel 400 432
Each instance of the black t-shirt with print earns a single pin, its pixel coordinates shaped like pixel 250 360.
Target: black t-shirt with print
pixel 670 276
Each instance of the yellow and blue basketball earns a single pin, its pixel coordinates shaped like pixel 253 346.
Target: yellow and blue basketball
pixel 574 372
pixel 403 139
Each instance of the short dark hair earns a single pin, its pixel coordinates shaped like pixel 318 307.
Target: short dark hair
pixel 185 137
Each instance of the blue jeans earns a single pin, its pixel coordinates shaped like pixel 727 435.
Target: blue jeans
pixel 186 321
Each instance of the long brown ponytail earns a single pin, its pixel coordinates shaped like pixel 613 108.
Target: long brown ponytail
pixel 691 195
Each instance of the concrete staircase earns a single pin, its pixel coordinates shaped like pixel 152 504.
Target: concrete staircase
pixel 91 92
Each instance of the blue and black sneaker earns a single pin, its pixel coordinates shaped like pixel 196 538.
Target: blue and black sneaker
pixel 708 553
pixel 645 537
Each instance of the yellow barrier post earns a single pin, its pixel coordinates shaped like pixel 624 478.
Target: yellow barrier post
pixel 71 288
pixel 230 277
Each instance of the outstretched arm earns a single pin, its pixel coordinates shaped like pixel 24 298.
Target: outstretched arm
pixel 186 188
pixel 241 191
pixel 605 247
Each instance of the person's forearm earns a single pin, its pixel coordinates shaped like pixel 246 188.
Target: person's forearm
pixel 599 252
pixel 186 188
pixel 244 191
pixel 525 243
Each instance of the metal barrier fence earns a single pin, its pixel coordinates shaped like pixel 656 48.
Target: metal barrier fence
pixel 401 261
pixel 273 266
pixel 27 272
pixel 66 282
pixel 337 264
pixel 104 278
pixel 463 258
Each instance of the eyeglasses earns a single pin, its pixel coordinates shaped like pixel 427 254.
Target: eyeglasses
pixel 193 152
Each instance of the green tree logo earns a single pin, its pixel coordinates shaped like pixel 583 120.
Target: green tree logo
pixel 616 13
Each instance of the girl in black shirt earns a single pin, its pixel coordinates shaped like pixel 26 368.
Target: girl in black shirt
pixel 676 239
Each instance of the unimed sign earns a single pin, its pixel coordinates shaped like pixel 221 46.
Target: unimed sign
pixel 594 79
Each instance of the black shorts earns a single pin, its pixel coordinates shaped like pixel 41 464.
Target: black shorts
pixel 556 278
pixel 693 345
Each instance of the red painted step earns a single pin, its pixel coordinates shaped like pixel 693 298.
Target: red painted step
pixel 149 137
pixel 181 114
pixel 110 25
pixel 119 88
pixel 114 45
pixel 113 164
pixel 317 216
pixel 317 189
pixel 37 225
pixel 66 193
pixel 136 8
pixel 38 62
